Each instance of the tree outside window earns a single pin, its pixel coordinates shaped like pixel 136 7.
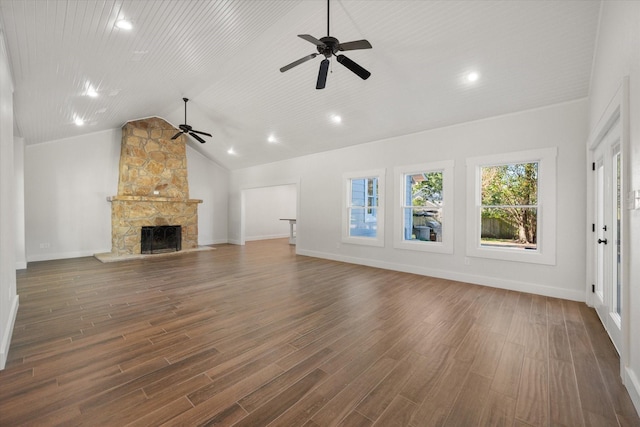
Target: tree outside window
pixel 509 205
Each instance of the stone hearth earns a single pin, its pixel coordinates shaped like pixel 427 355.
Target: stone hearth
pixel 153 188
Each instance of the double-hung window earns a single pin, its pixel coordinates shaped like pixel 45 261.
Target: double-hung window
pixel 363 218
pixel 512 206
pixel 424 221
pixel 509 205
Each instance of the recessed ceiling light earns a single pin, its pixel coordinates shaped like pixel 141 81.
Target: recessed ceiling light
pixel 78 121
pixel 230 151
pixel 336 119
pixel 91 91
pixel 473 76
pixel 124 24
pixel 272 139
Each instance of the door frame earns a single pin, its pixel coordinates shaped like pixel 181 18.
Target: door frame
pixel 277 183
pixel 618 109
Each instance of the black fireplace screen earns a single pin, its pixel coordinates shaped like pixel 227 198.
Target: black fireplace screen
pixel 160 239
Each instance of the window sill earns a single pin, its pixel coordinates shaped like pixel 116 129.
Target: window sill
pixel 364 241
pixel 424 246
pixel 517 255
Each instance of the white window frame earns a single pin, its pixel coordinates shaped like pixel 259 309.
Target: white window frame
pixel 545 252
pixel 444 246
pixel 346 206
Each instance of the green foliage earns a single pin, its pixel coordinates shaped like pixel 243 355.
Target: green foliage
pixel 515 184
pixel 511 190
pixel 428 190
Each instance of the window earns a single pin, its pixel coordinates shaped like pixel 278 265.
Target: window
pixel 363 210
pixel 363 220
pixel 511 206
pixel 617 227
pixel 424 221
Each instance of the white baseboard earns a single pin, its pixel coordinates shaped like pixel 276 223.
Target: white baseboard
pixel 8 332
pixel 21 265
pixel 633 387
pixel 266 237
pixel 212 242
pixel 513 285
pixel 255 238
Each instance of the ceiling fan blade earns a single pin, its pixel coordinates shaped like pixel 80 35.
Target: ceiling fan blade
pixel 358 44
pixel 176 135
pixel 311 39
pixel 322 74
pixel 358 70
pixel 298 62
pixel 202 141
pixel 202 133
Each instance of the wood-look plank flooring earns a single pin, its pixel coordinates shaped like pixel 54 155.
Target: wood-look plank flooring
pixel 257 336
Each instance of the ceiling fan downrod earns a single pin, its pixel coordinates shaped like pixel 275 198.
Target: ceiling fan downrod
pixel 185 108
pixel 328 17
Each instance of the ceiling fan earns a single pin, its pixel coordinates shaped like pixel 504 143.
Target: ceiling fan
pixel 185 128
pixel 329 46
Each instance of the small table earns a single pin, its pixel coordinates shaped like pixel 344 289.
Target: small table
pixel 292 229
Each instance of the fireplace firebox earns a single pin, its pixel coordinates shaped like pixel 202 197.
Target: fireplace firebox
pixel 161 239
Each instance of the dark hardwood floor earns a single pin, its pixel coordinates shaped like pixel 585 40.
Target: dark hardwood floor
pixel 256 336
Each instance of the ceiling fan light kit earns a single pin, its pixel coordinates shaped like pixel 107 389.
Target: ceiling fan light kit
pixel 185 128
pixel 330 46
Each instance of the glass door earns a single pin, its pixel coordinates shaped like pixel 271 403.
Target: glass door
pixel 607 237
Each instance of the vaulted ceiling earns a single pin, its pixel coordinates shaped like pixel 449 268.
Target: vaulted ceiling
pixel 225 56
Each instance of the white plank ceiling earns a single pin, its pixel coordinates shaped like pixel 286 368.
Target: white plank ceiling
pixel 225 56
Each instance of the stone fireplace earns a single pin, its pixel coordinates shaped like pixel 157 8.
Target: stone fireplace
pixel 153 189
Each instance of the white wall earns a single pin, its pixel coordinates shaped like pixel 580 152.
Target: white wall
pixel 263 209
pixel 8 295
pixel 18 165
pixel 320 206
pixel 208 182
pixel 67 183
pixel 618 55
